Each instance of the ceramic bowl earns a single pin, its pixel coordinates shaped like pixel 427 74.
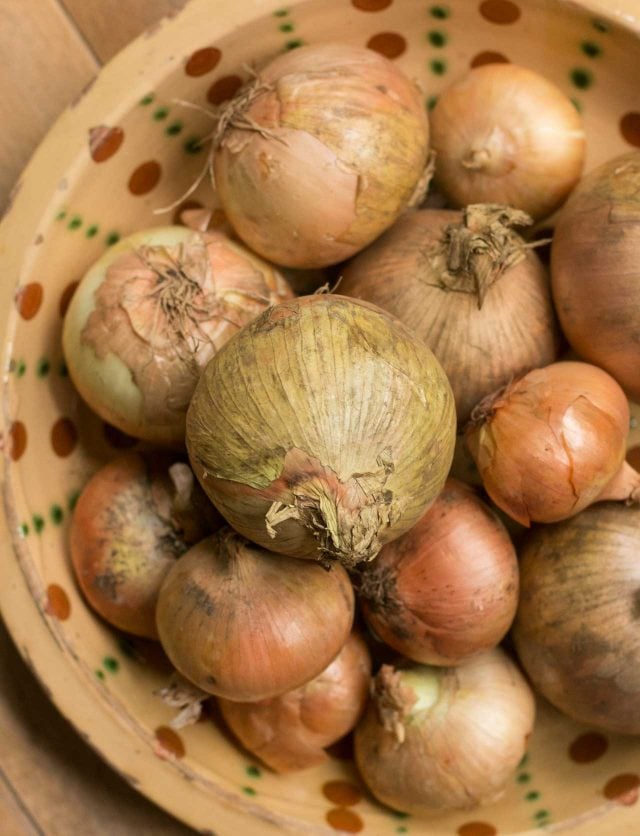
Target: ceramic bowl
pixel 128 148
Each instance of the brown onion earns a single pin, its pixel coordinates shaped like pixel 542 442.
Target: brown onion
pixel 444 738
pixel 323 429
pixel 595 269
pixel 448 588
pixel 470 287
pixel 576 630
pixel 134 517
pixel 553 442
pixel 243 623
pixel 320 153
pixel 291 732
pixel 505 134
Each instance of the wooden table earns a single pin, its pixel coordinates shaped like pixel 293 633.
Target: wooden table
pixel 51 782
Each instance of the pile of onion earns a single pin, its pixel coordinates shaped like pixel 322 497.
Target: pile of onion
pixel 320 153
pixel 149 315
pixel 323 430
pixel 470 287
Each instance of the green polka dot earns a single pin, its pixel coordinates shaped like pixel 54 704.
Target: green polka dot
pixel 286 27
pixel 294 44
pixel 21 368
pixel 541 814
pixel 591 49
pixel 600 25
pixel 432 101
pixel 253 771
pixel 401 829
pixel 174 128
pixel 193 145
pixel 281 12
pixel 57 514
pixel 581 78
pixel 534 795
pixel 75 222
pixel 38 523
pixel 99 674
pixel 112 238
pixel 73 500
pixel 437 39
pixel 61 215
pixel 523 778
pixel 111 664
pixel 398 815
pixel 161 113
pixel 438 67
pixel 23 529
pixel 523 760
pixel 439 12
pixel 126 647
pixel 43 368
pixel 249 791
pixel 91 231
pixel 146 100
pixel 63 371
pixel 577 104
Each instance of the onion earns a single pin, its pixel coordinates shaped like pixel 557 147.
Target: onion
pixel 444 738
pixel 291 732
pixel 320 153
pixel 448 588
pixel 134 517
pixel 553 442
pixel 245 624
pixel 576 630
pixel 323 429
pixel 504 134
pixel 595 269
pixel 148 316
pixel 469 286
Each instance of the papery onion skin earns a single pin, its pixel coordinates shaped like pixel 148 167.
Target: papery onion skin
pixel 133 519
pixel 595 271
pixel 290 732
pixel 554 442
pixel 150 313
pixel 505 134
pixel 320 154
pixel 243 623
pixel 323 430
pixel 436 739
pixel 467 285
pixel 448 588
pixel 576 631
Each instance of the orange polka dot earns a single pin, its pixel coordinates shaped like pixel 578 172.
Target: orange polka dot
pixel 630 128
pixel 28 299
pixel 104 142
pixel 17 439
pixel 168 743
pixel 499 11
pixel 67 296
pixel 341 818
pixel 588 747
pixel 58 604
pixel 145 177
pixel 371 5
pixel 623 789
pixel 224 89
pixel 389 44
pixel 203 61
pixel 476 828
pixel 342 793
pixel 64 437
pixel 488 57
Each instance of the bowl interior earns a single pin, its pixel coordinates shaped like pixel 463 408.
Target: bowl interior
pixel 133 163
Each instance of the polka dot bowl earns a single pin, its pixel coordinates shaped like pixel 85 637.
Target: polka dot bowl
pixel 126 149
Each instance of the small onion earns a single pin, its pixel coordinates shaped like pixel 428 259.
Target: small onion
pixel 504 134
pixel 320 153
pixel 436 739
pixel 245 624
pixel 448 588
pixel 595 270
pixel 553 442
pixel 150 313
pixel 134 517
pixel 470 287
pixel 323 429
pixel 291 732
pixel 576 630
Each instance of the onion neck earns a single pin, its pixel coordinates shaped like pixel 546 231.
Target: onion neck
pixel 403 697
pixel 625 486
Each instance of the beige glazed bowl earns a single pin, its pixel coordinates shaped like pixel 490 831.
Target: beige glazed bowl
pixel 128 148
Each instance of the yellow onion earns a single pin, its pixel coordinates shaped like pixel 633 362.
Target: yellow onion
pixel 150 313
pixel 448 588
pixel 595 270
pixel 470 287
pixel 505 134
pixel 320 153
pixel 323 429
pixel 133 519
pixel 553 442
pixel 438 739
pixel 243 623
pixel 576 630
pixel 290 732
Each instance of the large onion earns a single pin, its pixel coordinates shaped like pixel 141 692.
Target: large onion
pixel 323 429
pixel 320 153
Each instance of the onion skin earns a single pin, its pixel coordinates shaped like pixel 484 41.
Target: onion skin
pixel 150 313
pixel 130 524
pixel 242 623
pixel 437 739
pixel 323 429
pixel 576 631
pixel 290 732
pixel 505 134
pixel 554 442
pixel 595 271
pixel 487 320
pixel 320 154
pixel 448 588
